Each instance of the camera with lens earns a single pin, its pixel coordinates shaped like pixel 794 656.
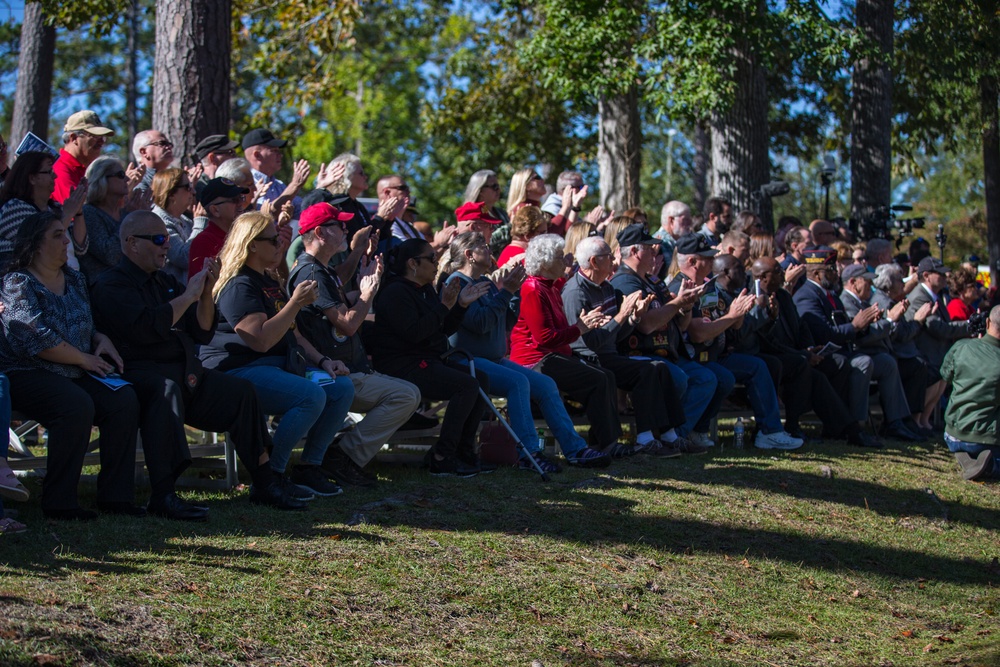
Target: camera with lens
pixel 883 223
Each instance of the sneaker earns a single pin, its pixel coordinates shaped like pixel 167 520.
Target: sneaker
pixel 777 440
pixel 293 490
pixel 547 465
pixel 700 439
pixel 273 495
pixel 313 478
pixel 450 467
pixel 659 449
pixel 685 446
pixel 620 450
pixel 339 467
pixel 589 458
pixel 10 485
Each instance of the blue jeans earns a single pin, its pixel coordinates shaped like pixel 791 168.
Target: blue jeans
pixel 307 409
pixel 973 449
pixel 5 419
pixel 753 373
pixel 696 385
pixel 521 386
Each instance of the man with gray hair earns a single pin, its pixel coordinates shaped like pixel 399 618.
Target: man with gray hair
pixel 567 179
pixel 972 367
pixel 657 403
pixel 675 222
pixel 153 150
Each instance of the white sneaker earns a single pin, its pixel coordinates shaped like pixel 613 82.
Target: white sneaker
pixel 700 439
pixel 777 440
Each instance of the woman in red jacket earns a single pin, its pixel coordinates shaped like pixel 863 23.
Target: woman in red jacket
pixel 541 338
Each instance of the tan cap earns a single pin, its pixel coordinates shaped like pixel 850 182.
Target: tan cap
pixel 87 121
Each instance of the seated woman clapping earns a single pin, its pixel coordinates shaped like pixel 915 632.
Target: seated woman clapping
pixel 256 340
pixel 410 334
pixel 483 333
pixel 54 358
pixel 540 340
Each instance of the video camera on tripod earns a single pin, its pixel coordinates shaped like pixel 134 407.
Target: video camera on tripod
pixel 883 222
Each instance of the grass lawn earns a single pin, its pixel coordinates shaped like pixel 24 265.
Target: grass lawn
pixel 735 558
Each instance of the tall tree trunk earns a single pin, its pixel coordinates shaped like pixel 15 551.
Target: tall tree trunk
pixel 702 165
pixel 132 82
pixel 34 76
pixel 619 152
pixel 740 161
pixel 871 113
pixel 191 70
pixel 989 92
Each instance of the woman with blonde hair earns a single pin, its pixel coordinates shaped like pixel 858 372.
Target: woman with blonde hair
pixel 611 230
pixel 173 196
pixel 576 233
pixel 256 340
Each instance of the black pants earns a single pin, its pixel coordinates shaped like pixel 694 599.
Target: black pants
pixel 657 405
pixel 916 375
pixel 592 386
pixel 220 402
pixel 67 409
pixel 805 388
pixel 440 381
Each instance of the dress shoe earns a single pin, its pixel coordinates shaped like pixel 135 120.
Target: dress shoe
pixel 340 467
pixel 274 495
pixel 861 439
pixel 121 508
pixel 898 431
pixel 172 507
pixel 75 514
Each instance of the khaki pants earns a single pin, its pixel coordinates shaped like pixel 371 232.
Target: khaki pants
pixel 387 403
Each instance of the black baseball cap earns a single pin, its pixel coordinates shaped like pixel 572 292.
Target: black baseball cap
pixel 220 187
pixel 695 244
pixel 635 235
pixel 262 137
pixel 214 143
pixel 932 264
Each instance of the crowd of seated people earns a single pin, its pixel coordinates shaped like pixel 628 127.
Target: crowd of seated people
pixel 141 299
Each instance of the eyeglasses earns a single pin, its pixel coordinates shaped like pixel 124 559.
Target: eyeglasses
pixel 603 254
pixel 338 225
pixel 156 239
pixel 231 200
pixel 163 143
pixel 182 186
pixel 117 174
pixel 273 240
pixel 401 188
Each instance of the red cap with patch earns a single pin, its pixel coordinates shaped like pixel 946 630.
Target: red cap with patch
pixel 475 210
pixel 321 214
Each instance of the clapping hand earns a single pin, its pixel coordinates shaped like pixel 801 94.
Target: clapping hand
pixel 512 278
pixel 327 176
pixel 300 174
pixel 472 292
pixel 591 320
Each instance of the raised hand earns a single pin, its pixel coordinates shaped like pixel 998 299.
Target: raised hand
pixel 472 292
pixel 305 293
pixel 327 176
pixel 134 174
pixel 444 235
pixel 74 203
pixel 577 197
pixel 794 273
pixel 389 209
pixel 195 172
pixel 596 215
pixel 512 278
pixel 260 189
pixel 370 276
pixel 742 304
pixel 300 174
pixel 285 215
pixel 924 311
pixel 449 293
pixel 898 310
pixel 360 238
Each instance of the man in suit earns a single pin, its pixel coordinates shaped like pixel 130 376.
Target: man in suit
pixel 807 378
pixel 824 314
pixel 939 332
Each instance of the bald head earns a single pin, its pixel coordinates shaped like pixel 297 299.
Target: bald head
pixel 762 265
pixel 140 222
pixel 730 273
pixel 822 232
pixel 140 233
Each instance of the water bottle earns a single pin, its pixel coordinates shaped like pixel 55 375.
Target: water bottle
pixel 738 434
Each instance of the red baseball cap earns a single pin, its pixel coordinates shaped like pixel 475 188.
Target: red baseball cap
pixel 475 210
pixel 320 214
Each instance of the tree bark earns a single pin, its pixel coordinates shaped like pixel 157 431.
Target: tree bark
pixel 871 113
pixel 191 71
pixel 989 93
pixel 34 76
pixel 702 165
pixel 132 82
pixel 619 153
pixel 740 160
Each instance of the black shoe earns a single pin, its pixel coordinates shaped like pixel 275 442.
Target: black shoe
pixel 172 507
pixel 121 508
pixel 418 422
pixel 861 439
pixel 293 490
pixel 314 479
pixel 339 466
pixel 273 495
pixel 977 467
pixel 450 467
pixel 898 431
pixel 76 514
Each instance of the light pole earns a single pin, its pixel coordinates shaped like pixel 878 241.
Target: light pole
pixel 670 161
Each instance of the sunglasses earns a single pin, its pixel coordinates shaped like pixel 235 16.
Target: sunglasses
pixel 156 239
pixel 273 240
pixel 432 258
pixel 117 174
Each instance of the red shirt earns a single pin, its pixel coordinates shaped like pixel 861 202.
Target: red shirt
pixel 958 311
pixel 541 327
pixel 207 244
pixel 68 172
pixel 509 253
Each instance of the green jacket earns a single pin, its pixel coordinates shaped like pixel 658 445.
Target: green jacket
pixel 972 366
